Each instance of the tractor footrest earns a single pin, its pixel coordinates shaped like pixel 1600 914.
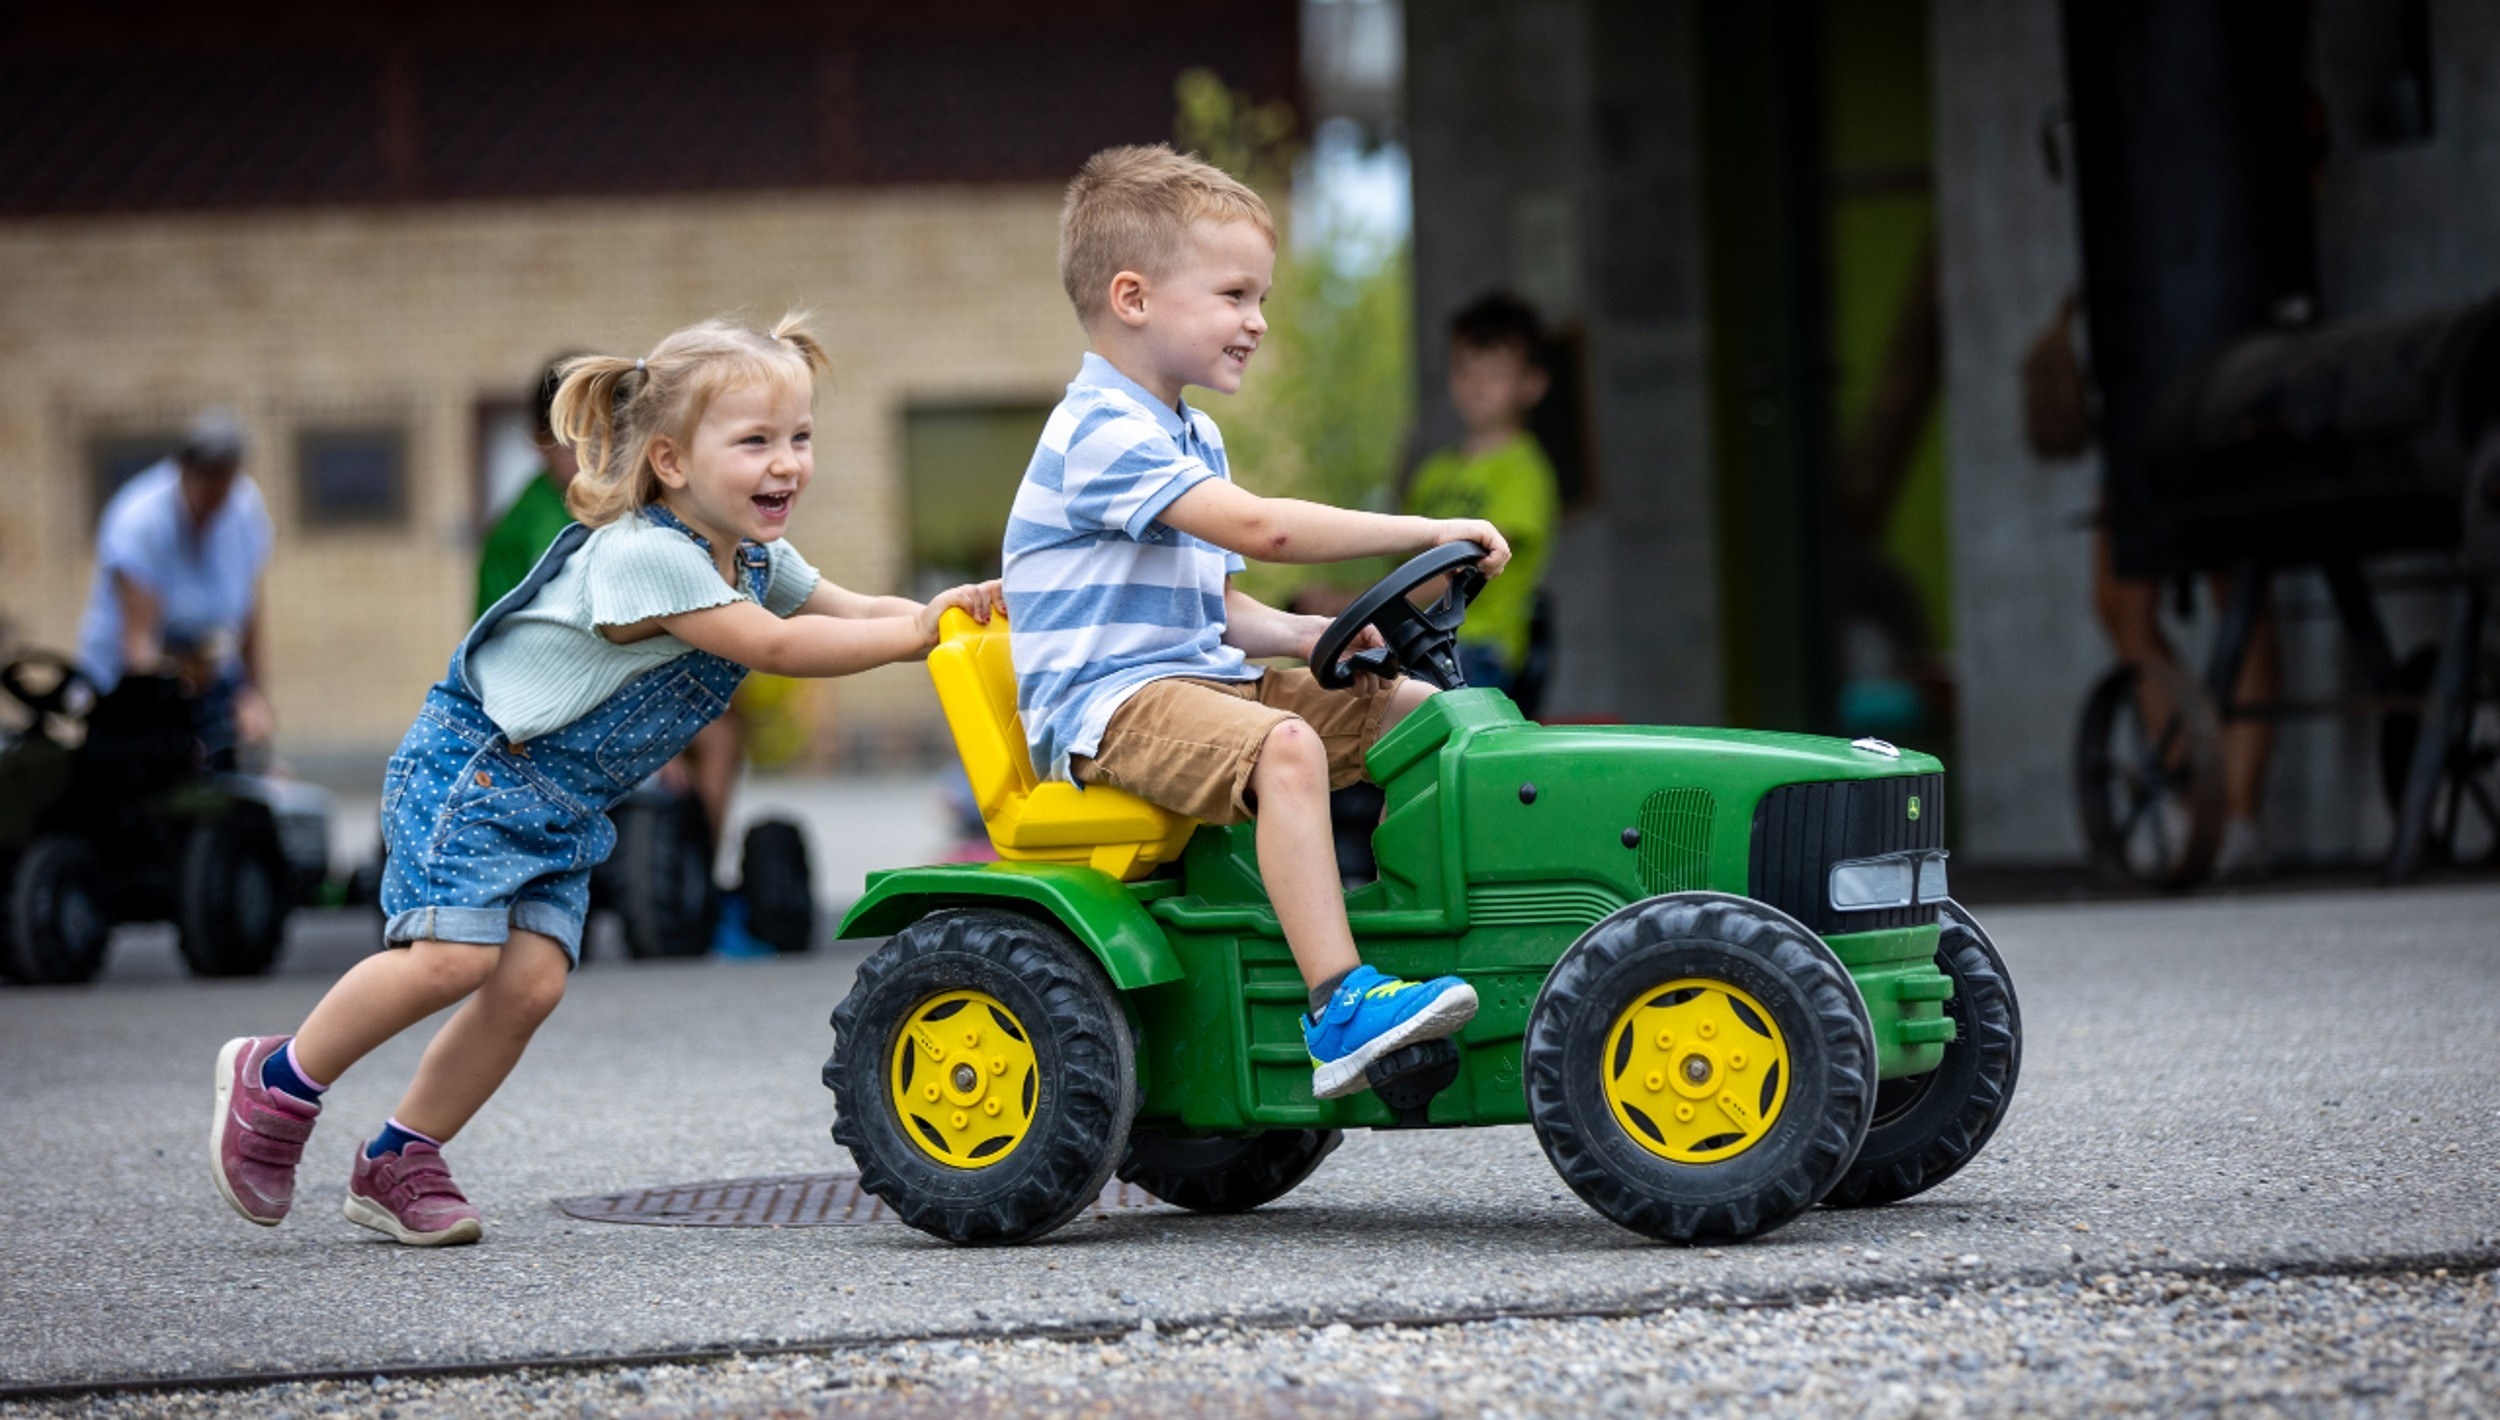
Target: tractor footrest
pixel 1936 987
pixel 1406 1080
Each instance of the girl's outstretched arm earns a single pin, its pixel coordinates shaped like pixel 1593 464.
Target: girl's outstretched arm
pixel 825 645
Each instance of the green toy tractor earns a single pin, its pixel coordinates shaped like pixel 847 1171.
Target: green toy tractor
pixel 1719 973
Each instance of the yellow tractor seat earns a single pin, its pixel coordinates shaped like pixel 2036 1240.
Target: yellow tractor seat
pixel 1030 819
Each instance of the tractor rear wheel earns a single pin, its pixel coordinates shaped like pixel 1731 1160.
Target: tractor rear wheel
pixel 1927 1126
pixel 1225 1173
pixel 232 893
pixel 1700 1068
pixel 983 1075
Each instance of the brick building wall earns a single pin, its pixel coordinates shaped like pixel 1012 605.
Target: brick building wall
pixel 411 317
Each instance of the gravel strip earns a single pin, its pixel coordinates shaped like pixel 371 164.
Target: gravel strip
pixel 2413 1344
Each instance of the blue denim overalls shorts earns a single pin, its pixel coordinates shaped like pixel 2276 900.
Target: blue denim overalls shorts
pixel 485 836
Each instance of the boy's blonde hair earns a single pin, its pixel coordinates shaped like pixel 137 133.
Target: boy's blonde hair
pixel 609 410
pixel 1128 209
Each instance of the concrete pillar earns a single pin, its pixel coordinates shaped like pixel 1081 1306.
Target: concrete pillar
pixel 1554 153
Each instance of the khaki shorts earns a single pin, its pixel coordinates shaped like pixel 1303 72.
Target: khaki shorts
pixel 1189 745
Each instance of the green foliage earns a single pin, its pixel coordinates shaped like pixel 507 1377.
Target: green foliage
pixel 1330 396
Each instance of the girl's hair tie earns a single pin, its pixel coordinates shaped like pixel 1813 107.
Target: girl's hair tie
pixel 638 367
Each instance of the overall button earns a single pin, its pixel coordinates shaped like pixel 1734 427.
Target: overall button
pixel 485 780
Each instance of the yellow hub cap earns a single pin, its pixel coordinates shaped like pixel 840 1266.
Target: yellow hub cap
pixel 1696 1071
pixel 964 1079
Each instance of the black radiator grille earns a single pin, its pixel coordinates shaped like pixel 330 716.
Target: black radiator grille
pixel 1800 830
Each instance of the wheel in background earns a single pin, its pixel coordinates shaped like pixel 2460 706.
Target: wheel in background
pixel 1927 1126
pixel 2151 796
pixel 2465 807
pixel 779 885
pixel 1225 1173
pixel 983 1075
pixel 56 928
pixel 231 895
pixel 1700 1067
pixel 662 874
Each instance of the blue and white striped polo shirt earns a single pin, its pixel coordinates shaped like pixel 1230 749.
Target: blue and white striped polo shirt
pixel 1101 598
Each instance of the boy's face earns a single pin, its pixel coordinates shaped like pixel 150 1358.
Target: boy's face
pixel 1200 321
pixel 1493 386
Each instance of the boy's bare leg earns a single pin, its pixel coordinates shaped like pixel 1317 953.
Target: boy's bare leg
pixel 1403 698
pixel 473 1052
pixel 385 994
pixel 1298 853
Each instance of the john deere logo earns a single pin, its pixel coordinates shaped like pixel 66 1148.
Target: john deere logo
pixel 1914 806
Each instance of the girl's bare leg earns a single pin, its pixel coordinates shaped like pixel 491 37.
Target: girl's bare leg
pixel 385 994
pixel 473 1052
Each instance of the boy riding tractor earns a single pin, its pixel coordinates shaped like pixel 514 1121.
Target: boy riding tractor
pixel 1719 972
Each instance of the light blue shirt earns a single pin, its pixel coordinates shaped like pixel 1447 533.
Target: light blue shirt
pixel 205 580
pixel 1102 598
pixel 545 664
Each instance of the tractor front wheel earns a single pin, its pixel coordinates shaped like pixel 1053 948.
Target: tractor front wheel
pixel 56 926
pixel 1225 1173
pixel 1700 1068
pixel 983 1075
pixel 1927 1126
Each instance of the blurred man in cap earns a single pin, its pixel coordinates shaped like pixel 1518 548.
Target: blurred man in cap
pixel 179 557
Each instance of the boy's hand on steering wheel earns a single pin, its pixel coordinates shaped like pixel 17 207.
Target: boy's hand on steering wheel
pixel 1478 531
pixel 1368 639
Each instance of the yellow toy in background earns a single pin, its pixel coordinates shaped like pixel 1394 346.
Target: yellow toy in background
pixel 1030 819
pixel 779 715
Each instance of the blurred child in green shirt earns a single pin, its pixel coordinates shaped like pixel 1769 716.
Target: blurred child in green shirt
pixel 1497 473
pixel 528 526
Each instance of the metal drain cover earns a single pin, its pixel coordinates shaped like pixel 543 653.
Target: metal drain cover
pixel 806 1200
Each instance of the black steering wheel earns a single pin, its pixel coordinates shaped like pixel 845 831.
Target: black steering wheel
pixel 47 684
pixel 1422 641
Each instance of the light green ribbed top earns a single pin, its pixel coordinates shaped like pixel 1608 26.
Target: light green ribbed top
pixel 546 665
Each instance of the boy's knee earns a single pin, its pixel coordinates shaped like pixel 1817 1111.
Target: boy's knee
pixel 1291 760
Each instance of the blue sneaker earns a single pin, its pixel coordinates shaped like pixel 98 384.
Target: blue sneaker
pixel 1370 1016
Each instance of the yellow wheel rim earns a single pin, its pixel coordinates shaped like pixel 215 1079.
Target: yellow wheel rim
pixel 964 1079
pixel 1696 1071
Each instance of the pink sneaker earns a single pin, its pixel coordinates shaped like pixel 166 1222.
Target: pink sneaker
pixel 410 1195
pixel 259 1134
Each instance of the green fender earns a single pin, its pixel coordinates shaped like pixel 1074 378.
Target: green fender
pixel 1108 916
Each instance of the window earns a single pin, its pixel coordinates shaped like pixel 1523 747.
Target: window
pixel 115 459
pixel 351 478
pixel 961 465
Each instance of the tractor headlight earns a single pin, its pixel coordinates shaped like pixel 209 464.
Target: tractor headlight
pixel 1894 880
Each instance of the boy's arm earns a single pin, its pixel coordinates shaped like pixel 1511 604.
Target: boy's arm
pixel 1256 629
pixel 1292 530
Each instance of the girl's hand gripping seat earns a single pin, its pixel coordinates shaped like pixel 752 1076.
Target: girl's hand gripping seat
pixel 1030 820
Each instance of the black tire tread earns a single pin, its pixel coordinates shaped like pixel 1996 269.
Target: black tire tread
pixel 212 857
pixel 32 954
pixel 1094 1089
pixel 1838 1021
pixel 1265 1168
pixel 1904 1158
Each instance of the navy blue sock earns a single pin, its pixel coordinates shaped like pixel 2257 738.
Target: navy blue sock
pixel 395 1138
pixel 278 1072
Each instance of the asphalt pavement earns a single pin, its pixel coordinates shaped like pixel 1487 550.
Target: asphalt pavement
pixel 2292 1082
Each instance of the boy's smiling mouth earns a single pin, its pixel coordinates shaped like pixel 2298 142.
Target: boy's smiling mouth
pixel 773 505
pixel 1239 354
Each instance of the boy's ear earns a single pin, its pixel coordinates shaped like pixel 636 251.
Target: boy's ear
pixel 1127 301
pixel 1533 385
pixel 666 463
